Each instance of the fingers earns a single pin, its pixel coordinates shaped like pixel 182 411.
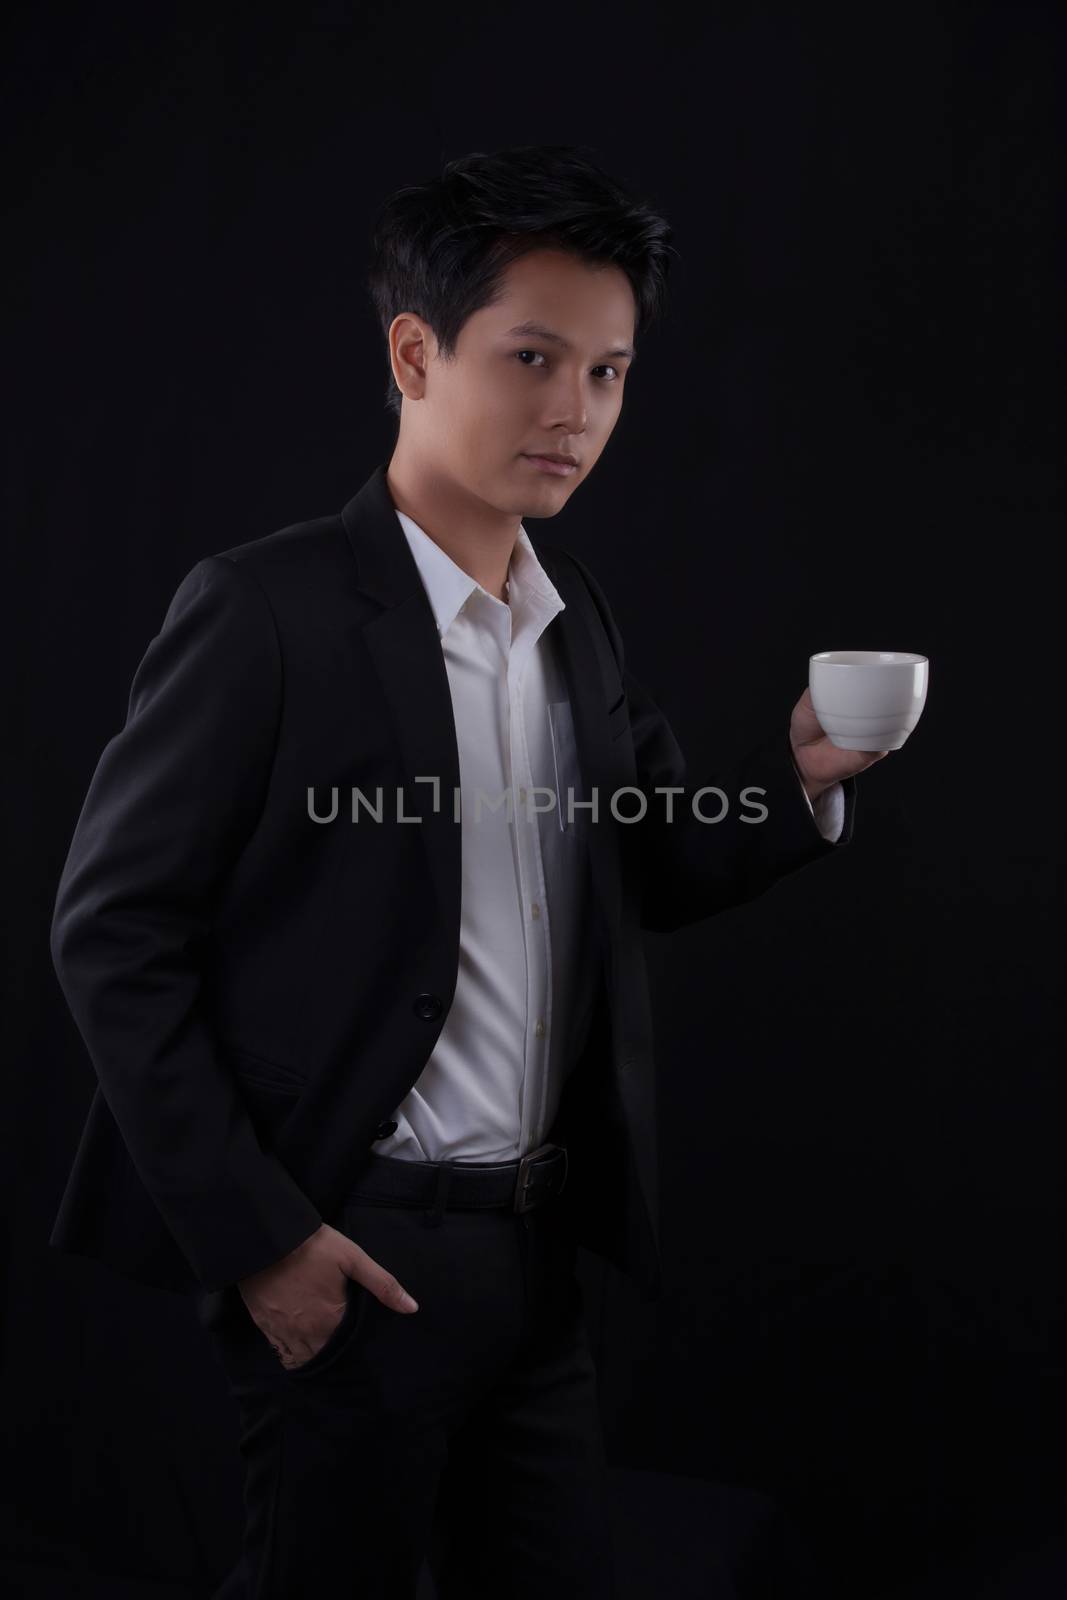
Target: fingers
pixel 381 1283
pixel 297 1344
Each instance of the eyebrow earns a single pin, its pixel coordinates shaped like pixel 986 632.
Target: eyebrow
pixel 536 330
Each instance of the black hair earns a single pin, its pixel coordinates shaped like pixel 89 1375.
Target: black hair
pixel 440 249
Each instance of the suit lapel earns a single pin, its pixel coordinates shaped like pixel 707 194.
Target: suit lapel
pixel 591 674
pixel 405 648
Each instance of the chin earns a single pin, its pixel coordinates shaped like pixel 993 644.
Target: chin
pixel 543 510
pixel 555 492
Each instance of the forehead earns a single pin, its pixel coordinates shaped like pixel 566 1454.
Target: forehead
pixel 554 295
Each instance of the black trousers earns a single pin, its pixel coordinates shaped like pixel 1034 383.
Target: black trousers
pixel 467 1432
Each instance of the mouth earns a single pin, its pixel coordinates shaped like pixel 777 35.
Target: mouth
pixel 562 468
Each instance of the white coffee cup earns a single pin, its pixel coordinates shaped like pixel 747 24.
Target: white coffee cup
pixel 868 699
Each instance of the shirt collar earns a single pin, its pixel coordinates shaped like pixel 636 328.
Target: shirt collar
pixel 448 586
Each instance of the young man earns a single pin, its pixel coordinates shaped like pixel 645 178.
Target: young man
pixel 374 1050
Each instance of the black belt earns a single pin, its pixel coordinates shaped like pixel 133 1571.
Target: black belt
pixel 466 1185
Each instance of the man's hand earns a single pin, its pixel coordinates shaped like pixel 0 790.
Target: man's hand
pixel 297 1302
pixel 820 762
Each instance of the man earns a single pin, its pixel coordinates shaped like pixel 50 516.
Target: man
pixel 374 1051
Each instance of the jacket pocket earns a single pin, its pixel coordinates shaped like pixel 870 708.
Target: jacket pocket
pixel 619 718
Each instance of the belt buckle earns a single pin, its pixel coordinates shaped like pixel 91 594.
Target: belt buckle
pixel 522 1184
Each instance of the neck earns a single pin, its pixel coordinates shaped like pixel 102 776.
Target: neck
pixel 477 537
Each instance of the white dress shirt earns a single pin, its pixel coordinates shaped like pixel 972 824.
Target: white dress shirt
pixel 527 976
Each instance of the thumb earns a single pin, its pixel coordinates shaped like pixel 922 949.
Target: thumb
pixel 381 1283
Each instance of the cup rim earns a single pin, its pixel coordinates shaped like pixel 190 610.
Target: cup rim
pixel 902 658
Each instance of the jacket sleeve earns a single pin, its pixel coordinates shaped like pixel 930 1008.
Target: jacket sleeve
pixel 688 865
pixel 175 795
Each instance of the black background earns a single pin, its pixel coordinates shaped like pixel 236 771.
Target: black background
pixel 846 433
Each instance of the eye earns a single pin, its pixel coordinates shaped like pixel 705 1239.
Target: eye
pixel 606 368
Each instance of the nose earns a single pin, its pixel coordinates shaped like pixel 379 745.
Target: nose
pixel 571 416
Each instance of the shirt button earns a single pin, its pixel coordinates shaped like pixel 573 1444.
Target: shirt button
pixel 535 909
pixel 540 1029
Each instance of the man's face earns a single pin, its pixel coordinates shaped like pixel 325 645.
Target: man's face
pixel 507 396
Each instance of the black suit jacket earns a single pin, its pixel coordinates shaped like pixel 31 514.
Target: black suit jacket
pixel 257 991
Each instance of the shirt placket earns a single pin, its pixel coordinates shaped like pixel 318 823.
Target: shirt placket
pixel 530 868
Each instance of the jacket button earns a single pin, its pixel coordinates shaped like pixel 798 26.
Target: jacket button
pixel 427 1005
pixel 384 1129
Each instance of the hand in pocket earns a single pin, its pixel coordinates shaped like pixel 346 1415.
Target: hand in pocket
pixel 298 1302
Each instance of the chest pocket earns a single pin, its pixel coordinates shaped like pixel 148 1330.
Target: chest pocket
pixel 619 717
